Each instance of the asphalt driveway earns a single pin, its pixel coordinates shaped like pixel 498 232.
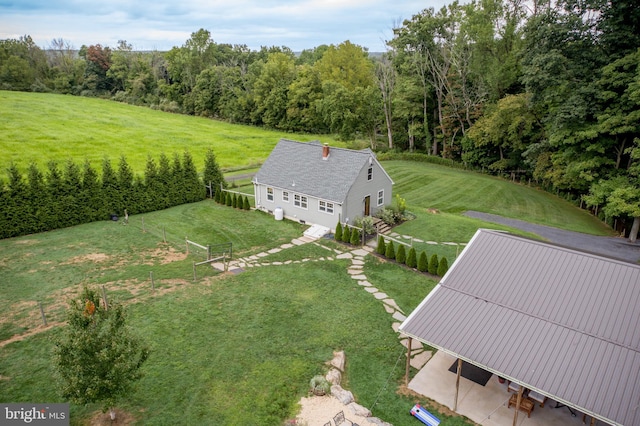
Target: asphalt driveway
pixel 615 247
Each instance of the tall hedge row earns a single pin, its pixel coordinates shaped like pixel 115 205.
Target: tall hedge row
pixel 71 194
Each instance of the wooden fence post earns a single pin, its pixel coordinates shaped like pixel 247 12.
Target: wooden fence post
pixel 153 287
pixel 195 278
pixel 164 235
pixel 44 318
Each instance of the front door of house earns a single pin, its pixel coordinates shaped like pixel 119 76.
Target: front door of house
pixel 367 205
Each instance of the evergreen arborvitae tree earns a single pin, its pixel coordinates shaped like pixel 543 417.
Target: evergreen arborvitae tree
pixel 346 234
pixel 111 196
pixel 247 204
pixel 355 237
pixel 443 266
pixel 433 264
pixel 98 358
pixel 37 199
pixel 390 251
pixel 16 203
pixel 338 234
pixel 165 182
pixel 401 254
pixel 423 263
pixel 54 190
pixel 380 248
pixel 178 193
pixel 152 197
pixel 4 205
pixel 229 199
pixel 126 188
pixel 195 190
pixel 70 191
pixel 412 261
pixel 91 193
pixel 212 174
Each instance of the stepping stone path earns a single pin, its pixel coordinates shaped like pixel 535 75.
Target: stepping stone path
pixel 419 356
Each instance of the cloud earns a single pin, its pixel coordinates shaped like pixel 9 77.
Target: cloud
pixel 163 24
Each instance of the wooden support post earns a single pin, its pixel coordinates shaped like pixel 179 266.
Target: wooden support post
pixel 208 251
pixel 44 318
pixel 164 235
pixel 143 230
pixel 455 402
pixel 195 278
pixel 153 287
pixel 186 241
pixel 518 401
pixel 104 298
pixel 406 373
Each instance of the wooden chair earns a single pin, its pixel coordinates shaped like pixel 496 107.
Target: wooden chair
pixel 339 419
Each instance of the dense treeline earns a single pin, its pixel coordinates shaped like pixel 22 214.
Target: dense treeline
pixel 72 194
pixel 545 91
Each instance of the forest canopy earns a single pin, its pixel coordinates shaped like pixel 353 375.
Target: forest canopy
pixel 543 91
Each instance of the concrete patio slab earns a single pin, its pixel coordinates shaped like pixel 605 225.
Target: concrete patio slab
pixel 485 405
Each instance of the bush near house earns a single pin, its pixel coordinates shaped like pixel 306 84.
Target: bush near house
pixel 380 248
pixel 423 263
pixel 401 254
pixel 390 251
pixel 338 234
pixel 355 237
pixel 411 262
pixel 346 234
pixel 433 264
pixel 443 267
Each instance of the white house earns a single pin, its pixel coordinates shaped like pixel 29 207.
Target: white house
pixel 318 184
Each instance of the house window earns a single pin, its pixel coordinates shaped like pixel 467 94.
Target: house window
pixel 325 206
pixel 381 197
pixel 370 173
pixel 285 196
pixel 269 194
pixel 300 201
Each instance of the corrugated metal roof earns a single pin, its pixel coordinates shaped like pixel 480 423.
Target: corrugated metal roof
pixel 559 321
pixel 299 167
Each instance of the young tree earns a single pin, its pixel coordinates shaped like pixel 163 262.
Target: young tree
pixel 212 174
pixel 390 251
pixel 355 237
pixel 338 235
pixel 423 264
pixel 346 234
pixel 98 358
pixel 433 264
pixel 380 248
pixel 443 267
pixel 401 254
pixel 247 204
pixel 412 261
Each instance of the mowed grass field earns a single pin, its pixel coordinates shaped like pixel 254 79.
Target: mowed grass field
pixel 39 127
pixel 239 349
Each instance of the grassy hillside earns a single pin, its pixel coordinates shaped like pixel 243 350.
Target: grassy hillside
pixel 41 127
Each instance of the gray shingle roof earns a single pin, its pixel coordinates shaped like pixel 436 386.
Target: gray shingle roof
pixel 299 167
pixel 560 321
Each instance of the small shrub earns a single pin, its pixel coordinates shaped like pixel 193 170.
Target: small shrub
pixel 443 267
pixel 412 262
pixel 228 200
pixel 247 204
pixel 380 249
pixel 338 235
pixel 390 251
pixel 366 223
pixel 355 237
pixel 423 263
pixel 320 386
pixel 387 215
pixel 346 234
pixel 401 254
pixel 433 264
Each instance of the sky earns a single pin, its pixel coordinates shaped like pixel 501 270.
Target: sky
pixel 163 24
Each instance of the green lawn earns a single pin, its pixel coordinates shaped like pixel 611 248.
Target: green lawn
pixel 39 127
pixel 238 348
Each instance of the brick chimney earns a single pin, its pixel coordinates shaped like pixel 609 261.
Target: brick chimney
pixel 325 151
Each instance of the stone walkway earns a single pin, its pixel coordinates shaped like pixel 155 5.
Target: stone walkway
pixel 419 356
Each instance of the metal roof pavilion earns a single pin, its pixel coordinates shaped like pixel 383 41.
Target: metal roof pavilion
pixel 555 320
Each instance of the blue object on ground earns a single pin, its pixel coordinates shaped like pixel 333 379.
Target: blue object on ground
pixel 424 416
